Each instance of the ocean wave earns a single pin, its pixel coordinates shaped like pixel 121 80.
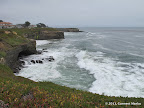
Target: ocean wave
pixel 112 77
pixel 41 42
pixel 46 71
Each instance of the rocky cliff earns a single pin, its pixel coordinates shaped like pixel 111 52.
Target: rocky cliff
pixel 12 46
pixel 68 29
pixel 17 42
pixel 45 35
pixel 12 56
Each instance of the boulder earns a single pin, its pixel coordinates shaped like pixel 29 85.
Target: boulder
pixel 22 62
pixel 50 59
pixel 33 61
pixel 40 61
pixel 37 61
pixel 44 49
pixel 39 52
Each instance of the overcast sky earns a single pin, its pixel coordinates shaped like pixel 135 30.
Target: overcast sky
pixel 74 13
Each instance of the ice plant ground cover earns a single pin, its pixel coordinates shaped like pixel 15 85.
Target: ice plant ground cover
pixel 21 92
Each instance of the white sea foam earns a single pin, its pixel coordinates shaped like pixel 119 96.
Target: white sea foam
pixel 41 72
pixel 112 78
pixel 46 71
pixel 41 42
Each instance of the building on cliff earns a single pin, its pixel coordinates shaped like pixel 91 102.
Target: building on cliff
pixel 32 26
pixel 23 26
pixel 6 25
pixel 19 25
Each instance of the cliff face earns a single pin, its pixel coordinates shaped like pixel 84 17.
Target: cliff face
pixel 15 43
pixel 68 29
pixel 12 46
pixel 12 56
pixel 45 35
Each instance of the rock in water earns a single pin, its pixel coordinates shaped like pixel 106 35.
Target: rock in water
pixel 40 61
pixel 33 61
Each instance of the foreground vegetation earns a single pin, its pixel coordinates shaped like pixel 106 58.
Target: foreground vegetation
pixel 19 92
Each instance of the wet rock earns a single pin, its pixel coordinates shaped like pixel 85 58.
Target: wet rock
pixel 50 60
pixel 39 52
pixel 40 61
pixel 22 62
pixel 37 61
pixel 44 49
pixel 33 61
pixel 16 70
pixel 51 57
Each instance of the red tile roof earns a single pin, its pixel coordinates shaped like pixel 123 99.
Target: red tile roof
pixel 5 23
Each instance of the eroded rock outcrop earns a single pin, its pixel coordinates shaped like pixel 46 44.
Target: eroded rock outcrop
pixel 45 35
pixel 12 57
pixel 68 29
pixel 12 46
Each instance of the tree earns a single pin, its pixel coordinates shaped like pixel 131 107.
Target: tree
pixel 27 24
pixel 41 25
pixel 1 20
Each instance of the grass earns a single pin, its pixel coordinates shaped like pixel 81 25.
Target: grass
pixel 33 32
pixel 47 94
pixel 2 54
pixel 22 31
pixel 12 39
pixel 18 38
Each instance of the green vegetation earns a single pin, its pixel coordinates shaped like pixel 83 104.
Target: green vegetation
pixel 23 31
pixel 20 92
pixel 15 36
pixel 41 25
pixel 27 24
pixel 11 38
pixel 2 54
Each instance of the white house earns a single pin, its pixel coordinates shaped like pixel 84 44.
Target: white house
pixel 32 26
pixel 19 25
pixel 6 25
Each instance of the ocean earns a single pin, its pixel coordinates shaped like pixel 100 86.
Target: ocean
pixel 107 61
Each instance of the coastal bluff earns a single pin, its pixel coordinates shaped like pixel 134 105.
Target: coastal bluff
pixel 68 29
pixel 45 35
pixel 15 43
pixel 39 33
pixel 13 46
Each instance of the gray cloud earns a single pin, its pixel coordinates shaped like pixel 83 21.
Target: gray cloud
pixel 74 12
